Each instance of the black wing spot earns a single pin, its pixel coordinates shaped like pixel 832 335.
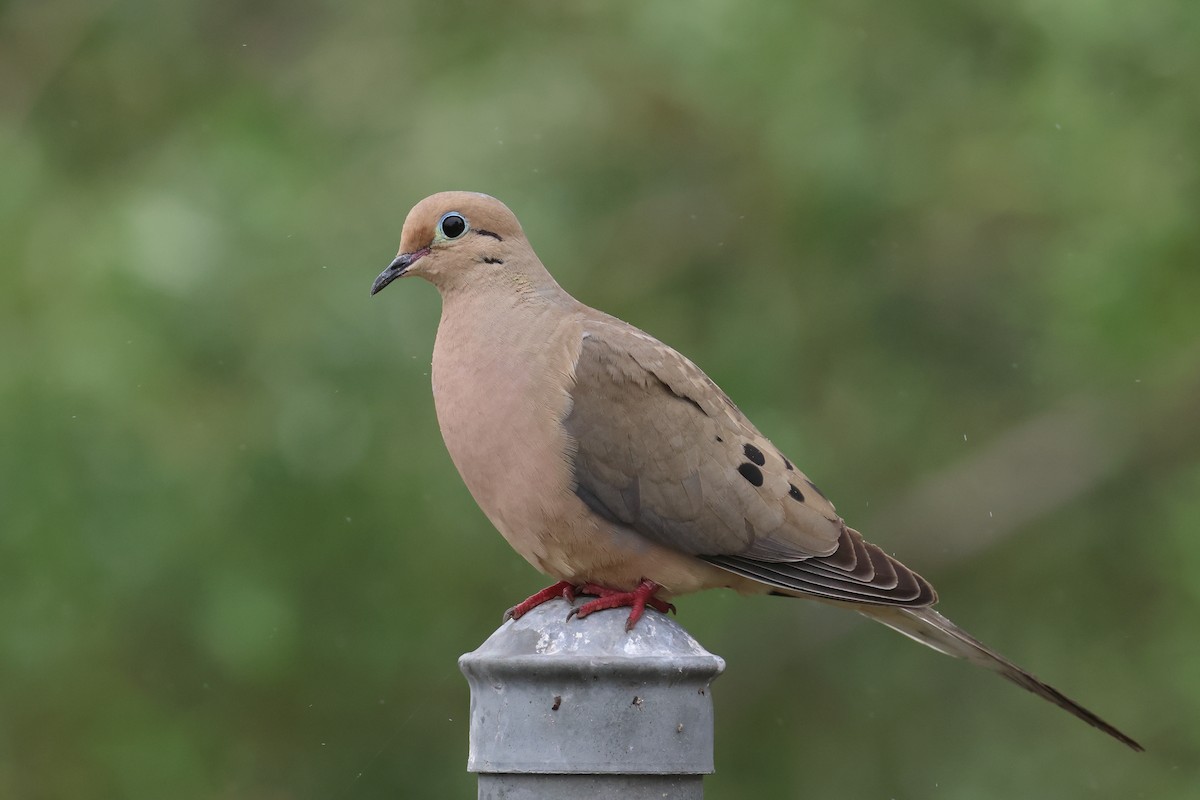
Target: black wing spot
pixel 751 473
pixel 786 463
pixel 719 439
pixel 813 486
pixel 754 454
pixel 795 493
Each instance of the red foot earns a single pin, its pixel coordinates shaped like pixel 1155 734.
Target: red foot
pixel 561 589
pixel 636 601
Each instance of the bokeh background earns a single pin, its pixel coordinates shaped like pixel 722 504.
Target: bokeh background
pixel 944 253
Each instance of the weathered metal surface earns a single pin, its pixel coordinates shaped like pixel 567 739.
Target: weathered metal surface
pixel 585 699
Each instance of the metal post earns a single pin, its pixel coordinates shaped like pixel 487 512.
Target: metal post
pixel 581 709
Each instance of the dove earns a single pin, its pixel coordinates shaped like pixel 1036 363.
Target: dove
pixel 617 467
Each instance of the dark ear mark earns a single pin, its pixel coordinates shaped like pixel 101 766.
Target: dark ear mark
pixel 495 236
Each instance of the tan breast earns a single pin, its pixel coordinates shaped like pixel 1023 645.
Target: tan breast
pixel 497 387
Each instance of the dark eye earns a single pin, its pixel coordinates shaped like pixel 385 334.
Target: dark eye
pixel 453 225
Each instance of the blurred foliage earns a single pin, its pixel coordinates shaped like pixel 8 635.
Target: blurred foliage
pixel 946 254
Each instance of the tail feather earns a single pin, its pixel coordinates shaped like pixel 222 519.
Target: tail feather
pixel 933 630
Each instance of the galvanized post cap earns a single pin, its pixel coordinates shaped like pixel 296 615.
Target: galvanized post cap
pixel 550 695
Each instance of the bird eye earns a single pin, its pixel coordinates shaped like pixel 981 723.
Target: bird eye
pixel 452 225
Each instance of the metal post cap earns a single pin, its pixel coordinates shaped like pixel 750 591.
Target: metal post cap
pixel 584 696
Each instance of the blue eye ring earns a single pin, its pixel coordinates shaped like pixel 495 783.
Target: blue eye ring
pixel 452 225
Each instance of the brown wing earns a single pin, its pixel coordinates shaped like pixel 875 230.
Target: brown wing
pixel 661 449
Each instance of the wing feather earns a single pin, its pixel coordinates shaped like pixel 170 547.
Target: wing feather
pixel 660 449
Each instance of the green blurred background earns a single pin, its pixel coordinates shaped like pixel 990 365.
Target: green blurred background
pixel 946 254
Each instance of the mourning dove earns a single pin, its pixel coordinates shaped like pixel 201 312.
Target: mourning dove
pixel 616 466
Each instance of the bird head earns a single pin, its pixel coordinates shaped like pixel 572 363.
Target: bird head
pixel 452 238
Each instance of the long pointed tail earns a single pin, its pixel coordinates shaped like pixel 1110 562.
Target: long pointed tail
pixel 932 629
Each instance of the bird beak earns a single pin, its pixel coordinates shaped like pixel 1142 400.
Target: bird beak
pixel 396 269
